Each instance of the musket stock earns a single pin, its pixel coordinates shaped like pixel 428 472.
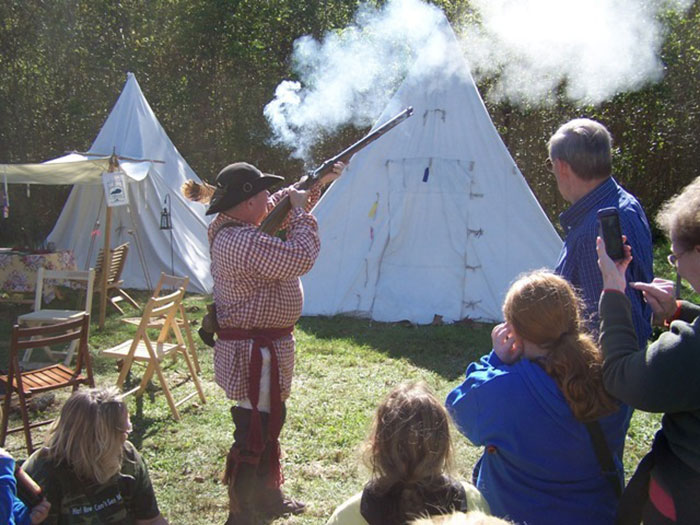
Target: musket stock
pixel 276 217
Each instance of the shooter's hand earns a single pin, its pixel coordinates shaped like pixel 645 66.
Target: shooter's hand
pixel 338 168
pixel 298 198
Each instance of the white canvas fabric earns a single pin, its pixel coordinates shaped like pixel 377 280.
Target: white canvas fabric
pixel 434 218
pixel 71 169
pixel 132 130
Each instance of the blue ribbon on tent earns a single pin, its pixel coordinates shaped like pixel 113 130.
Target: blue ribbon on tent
pixel 426 173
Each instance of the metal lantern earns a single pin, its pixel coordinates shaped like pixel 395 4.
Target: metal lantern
pixel 166 222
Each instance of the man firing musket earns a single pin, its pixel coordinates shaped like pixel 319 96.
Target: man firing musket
pixel 258 298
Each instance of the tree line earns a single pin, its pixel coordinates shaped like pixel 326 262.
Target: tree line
pixel 208 69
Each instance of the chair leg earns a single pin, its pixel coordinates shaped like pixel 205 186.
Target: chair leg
pixel 190 343
pixel 5 412
pixel 129 299
pixel 70 351
pixel 88 368
pixel 195 378
pixel 166 391
pixel 27 355
pixel 124 370
pixel 115 305
pixel 25 421
pixel 147 375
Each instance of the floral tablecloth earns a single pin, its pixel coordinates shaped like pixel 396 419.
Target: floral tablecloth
pixel 18 271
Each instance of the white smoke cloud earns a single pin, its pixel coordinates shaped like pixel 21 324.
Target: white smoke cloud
pixel 350 75
pixel 594 49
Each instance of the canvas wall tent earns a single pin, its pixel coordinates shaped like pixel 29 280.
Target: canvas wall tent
pixel 133 131
pixel 434 218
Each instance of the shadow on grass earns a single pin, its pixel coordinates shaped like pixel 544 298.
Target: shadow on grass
pixel 143 426
pixel 445 350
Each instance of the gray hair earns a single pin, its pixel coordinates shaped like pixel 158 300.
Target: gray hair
pixel 586 146
pixel 680 215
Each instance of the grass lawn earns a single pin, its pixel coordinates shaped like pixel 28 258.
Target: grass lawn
pixel 344 366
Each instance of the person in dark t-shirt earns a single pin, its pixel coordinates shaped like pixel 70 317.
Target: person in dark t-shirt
pixel 88 470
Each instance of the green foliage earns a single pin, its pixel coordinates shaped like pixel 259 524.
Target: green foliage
pixel 208 69
pixel 655 129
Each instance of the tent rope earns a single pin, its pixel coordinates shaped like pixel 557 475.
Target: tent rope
pixel 139 250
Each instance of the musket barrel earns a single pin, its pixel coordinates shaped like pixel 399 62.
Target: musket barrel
pixel 276 217
pixel 365 141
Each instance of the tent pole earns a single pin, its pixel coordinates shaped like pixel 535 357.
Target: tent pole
pixel 106 264
pixel 106 253
pixel 93 234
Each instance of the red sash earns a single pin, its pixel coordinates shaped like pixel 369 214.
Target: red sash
pixel 262 337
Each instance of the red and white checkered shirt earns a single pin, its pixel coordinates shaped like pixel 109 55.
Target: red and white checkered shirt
pixel 256 285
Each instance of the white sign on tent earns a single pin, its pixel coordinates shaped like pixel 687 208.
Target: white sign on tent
pixel 115 189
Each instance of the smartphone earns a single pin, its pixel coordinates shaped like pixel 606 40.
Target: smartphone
pixel 610 231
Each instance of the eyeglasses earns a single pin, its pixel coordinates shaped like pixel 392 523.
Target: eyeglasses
pixel 674 257
pixel 549 165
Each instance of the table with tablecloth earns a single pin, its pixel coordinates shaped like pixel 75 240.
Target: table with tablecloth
pixel 18 271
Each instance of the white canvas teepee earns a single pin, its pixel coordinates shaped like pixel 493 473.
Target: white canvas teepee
pixel 434 218
pixel 132 130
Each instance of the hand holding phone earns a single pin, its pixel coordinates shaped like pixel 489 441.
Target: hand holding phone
pixel 610 231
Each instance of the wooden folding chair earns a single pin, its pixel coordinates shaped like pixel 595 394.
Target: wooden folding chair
pixel 114 280
pixel 172 282
pixel 46 316
pixel 27 384
pixel 142 348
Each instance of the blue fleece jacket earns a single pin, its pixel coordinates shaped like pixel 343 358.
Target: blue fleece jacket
pixel 12 510
pixel 539 466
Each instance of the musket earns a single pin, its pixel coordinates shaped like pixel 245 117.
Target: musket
pixel 276 217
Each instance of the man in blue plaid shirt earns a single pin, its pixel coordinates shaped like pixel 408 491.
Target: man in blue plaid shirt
pixel 581 160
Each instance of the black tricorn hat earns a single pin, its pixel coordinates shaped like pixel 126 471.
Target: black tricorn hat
pixel 238 182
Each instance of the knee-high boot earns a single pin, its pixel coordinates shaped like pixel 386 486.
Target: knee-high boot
pixel 240 490
pixel 241 472
pixel 270 500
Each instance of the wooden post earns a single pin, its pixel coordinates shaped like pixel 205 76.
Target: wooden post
pixel 106 252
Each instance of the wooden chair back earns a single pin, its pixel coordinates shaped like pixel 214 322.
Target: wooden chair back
pixel 27 384
pixel 166 307
pixel 112 288
pixel 116 263
pixel 88 277
pixel 171 282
